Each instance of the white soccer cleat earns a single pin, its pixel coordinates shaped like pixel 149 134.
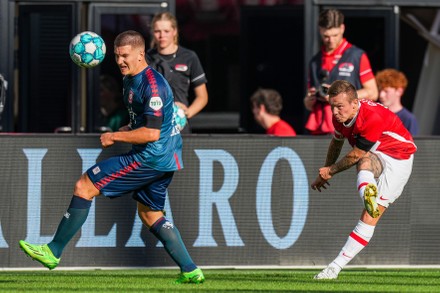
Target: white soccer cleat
pixel 329 273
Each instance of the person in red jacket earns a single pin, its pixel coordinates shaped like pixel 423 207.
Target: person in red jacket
pixel 338 59
pixel 266 107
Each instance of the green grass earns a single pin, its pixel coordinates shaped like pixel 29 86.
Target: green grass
pixel 227 280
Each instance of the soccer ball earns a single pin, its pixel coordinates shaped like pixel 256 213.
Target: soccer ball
pixel 180 117
pixel 87 49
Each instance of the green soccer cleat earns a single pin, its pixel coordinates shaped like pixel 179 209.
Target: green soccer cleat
pixel 40 253
pixel 370 194
pixel 194 277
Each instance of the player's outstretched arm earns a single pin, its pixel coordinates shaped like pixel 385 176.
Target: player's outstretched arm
pixel 319 183
pixel 140 135
pixel 324 175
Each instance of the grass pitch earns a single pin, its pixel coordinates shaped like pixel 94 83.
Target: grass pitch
pixel 227 280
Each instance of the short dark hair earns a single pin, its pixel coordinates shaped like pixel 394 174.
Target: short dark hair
pixel 130 38
pixel 330 18
pixel 270 98
pixel 342 86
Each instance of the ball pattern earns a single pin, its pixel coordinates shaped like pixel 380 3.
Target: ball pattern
pixel 179 117
pixel 87 49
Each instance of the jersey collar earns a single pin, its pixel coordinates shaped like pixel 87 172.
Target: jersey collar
pixel 350 124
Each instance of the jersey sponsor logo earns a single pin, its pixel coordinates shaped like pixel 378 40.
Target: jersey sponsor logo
pixel 130 97
pixel 156 103
pixel 345 69
pixel 132 116
pixel 96 170
pixel 181 67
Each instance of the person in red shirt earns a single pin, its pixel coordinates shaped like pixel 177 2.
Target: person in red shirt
pixel 337 60
pixel 266 107
pixel 383 153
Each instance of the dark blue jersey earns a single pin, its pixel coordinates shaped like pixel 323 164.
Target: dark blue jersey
pixel 149 94
pixel 409 120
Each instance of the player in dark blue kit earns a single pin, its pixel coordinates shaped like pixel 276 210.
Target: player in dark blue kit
pixel 147 169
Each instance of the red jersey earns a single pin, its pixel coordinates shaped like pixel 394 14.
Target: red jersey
pixel 281 128
pixel 375 128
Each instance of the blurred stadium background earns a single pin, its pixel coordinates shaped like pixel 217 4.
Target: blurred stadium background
pixel 242 44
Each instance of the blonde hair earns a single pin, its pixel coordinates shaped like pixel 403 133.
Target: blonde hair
pixel 165 16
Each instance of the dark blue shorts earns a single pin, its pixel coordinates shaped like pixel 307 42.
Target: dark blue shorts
pixel 122 174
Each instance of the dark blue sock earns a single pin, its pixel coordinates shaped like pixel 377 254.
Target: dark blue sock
pixel 169 235
pixel 72 221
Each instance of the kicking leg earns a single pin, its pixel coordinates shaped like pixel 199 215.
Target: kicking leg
pixel 170 237
pixel 49 254
pixel 369 168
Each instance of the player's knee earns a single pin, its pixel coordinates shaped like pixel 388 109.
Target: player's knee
pixel 84 188
pixel 148 216
pixel 143 218
pixel 364 164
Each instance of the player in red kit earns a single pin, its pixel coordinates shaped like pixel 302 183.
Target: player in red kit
pixel 383 152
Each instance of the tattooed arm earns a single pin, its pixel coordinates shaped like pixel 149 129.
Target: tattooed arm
pixel 334 150
pixel 347 161
pixel 332 167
